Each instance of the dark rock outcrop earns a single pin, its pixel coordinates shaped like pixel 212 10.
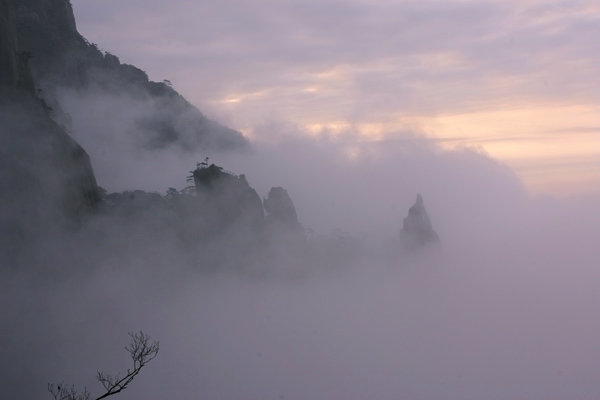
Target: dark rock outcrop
pixel 46 178
pixel 227 200
pixel 65 62
pixel 417 231
pixel 280 208
pixel 286 246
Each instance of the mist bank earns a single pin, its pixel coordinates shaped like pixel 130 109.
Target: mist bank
pixel 505 311
pixel 503 315
pixel 283 279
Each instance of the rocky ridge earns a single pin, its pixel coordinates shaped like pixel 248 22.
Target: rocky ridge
pixel 63 61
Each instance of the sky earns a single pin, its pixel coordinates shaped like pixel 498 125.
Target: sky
pixel 516 79
pixel 354 107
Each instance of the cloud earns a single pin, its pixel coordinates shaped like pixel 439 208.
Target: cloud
pixel 385 46
pixel 507 311
pixel 400 64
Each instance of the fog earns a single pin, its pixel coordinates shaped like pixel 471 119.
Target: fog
pixel 506 310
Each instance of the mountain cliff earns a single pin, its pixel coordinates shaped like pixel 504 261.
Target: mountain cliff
pixel 64 63
pixel 46 178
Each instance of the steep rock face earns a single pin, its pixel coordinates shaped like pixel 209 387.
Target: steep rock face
pixel 280 208
pixel 9 68
pixel 36 145
pixel 14 71
pixel 417 231
pixel 227 200
pixel 285 241
pixel 46 179
pixel 66 64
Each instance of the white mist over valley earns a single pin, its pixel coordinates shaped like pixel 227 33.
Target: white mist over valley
pixel 283 265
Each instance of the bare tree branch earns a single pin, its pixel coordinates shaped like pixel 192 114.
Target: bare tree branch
pixel 141 351
pixel 62 392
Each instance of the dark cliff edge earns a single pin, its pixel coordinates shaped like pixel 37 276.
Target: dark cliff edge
pixel 46 178
pixel 66 64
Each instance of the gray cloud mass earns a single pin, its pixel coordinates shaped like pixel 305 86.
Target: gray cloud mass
pixel 506 310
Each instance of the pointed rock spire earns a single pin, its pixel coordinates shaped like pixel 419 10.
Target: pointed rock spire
pixel 417 231
pixel 280 207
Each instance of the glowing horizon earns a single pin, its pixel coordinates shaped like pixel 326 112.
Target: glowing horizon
pixel 516 79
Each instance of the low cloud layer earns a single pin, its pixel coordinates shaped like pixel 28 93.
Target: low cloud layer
pixel 506 311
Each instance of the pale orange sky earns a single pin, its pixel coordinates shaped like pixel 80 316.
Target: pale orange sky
pixel 517 79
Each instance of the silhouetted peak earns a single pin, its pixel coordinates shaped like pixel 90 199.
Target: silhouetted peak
pixel 419 200
pixel 417 230
pixel 62 59
pixel 280 207
pixel 227 196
